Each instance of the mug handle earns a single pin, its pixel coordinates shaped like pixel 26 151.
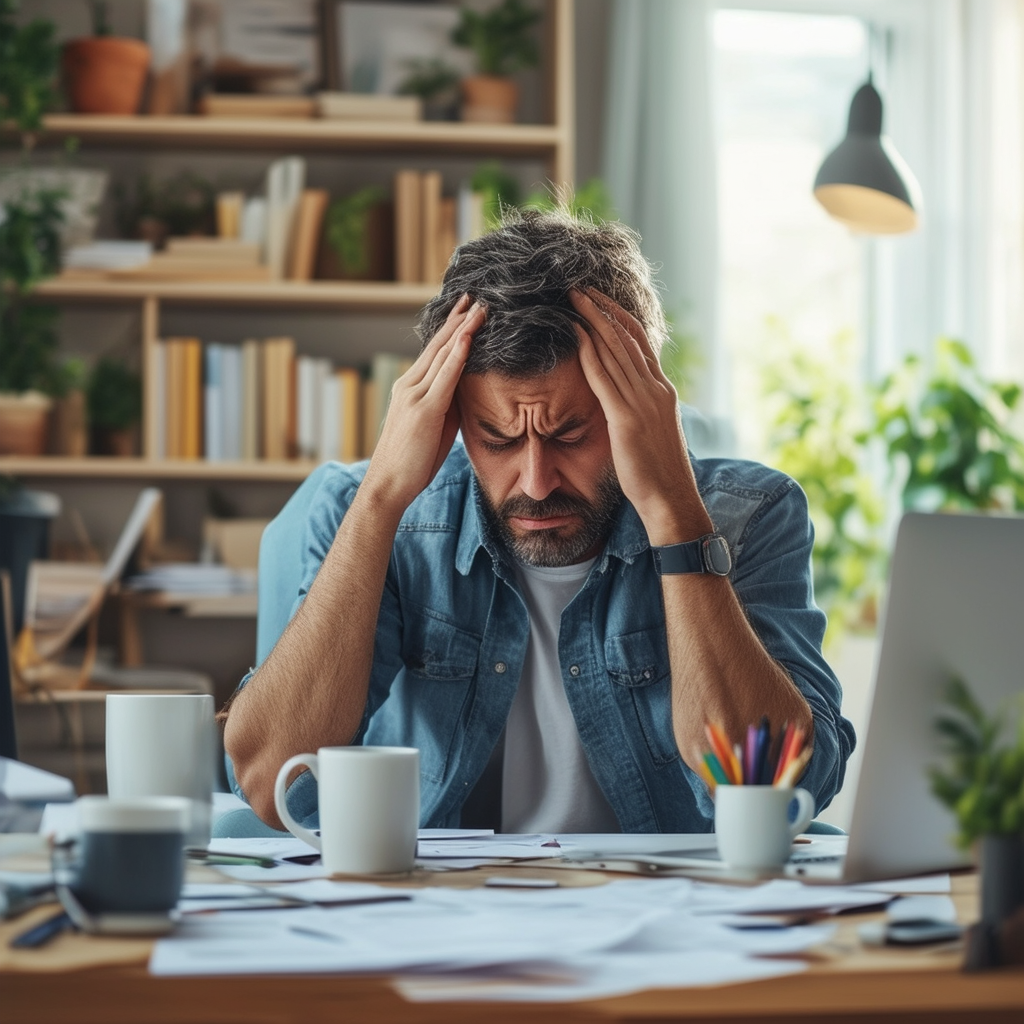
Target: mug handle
pixel 804 811
pixel 311 762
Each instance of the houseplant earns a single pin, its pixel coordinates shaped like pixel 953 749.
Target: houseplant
pixel 104 74
pixel 28 65
pixel 29 371
pixel 502 42
pixel 983 785
pixel 437 84
pixel 358 237
pixel 114 398
pixel 950 431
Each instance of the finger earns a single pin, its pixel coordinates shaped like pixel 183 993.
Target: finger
pixel 620 347
pixel 633 328
pixel 609 348
pixel 454 320
pixel 607 389
pixel 459 341
pixel 446 370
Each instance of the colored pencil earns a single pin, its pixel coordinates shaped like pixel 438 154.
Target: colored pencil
pixel 795 769
pixel 720 747
pixel 761 755
pixel 716 770
pixel 750 756
pixel 787 742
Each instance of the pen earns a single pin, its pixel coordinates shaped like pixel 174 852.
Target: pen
pixel 750 756
pixel 232 859
pixel 761 754
pixel 41 933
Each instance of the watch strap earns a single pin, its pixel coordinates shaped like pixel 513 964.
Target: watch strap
pixel 708 554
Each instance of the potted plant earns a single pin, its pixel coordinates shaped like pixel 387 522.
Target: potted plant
pixel 184 204
pixel 502 42
pixel 28 65
pixel 358 238
pixel 437 84
pixel 29 372
pixel 104 74
pixel 983 785
pixel 114 399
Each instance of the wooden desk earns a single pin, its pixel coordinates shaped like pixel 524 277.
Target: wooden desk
pixel 845 983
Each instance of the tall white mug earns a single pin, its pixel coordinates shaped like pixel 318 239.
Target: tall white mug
pixel 752 826
pixel 369 807
pixel 164 745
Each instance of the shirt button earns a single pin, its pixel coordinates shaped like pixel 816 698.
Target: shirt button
pixel 647 673
pixel 500 667
pixel 574 670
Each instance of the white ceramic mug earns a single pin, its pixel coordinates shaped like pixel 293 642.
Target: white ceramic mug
pixel 164 745
pixel 752 824
pixel 369 807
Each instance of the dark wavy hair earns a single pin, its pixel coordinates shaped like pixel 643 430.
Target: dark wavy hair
pixel 523 272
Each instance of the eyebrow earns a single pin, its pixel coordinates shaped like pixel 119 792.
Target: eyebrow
pixel 571 424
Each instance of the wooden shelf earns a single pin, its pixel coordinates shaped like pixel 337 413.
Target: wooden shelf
pixel 369 295
pixel 102 467
pixel 420 137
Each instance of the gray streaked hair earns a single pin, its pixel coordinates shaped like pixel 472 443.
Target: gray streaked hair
pixel 523 272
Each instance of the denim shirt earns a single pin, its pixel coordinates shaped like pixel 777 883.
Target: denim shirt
pixel 453 627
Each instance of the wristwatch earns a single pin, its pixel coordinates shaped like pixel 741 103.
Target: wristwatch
pixel 708 554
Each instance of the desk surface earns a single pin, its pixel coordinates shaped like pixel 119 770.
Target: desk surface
pixel 83 980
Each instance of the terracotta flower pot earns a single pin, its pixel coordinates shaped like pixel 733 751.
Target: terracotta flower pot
pixel 492 99
pixel 24 422
pixel 104 74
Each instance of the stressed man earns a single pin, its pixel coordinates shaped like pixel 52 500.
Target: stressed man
pixel 553 607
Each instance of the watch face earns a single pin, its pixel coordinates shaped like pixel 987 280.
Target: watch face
pixel 716 556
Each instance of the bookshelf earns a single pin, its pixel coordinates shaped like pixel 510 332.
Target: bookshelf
pixel 551 142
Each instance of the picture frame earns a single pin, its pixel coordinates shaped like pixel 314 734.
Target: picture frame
pixel 378 44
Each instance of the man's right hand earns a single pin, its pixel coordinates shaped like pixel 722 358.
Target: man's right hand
pixel 422 418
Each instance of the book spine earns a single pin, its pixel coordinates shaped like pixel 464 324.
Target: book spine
pixel 408 227
pixel 213 395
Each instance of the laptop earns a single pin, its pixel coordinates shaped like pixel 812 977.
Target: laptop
pixel 954 609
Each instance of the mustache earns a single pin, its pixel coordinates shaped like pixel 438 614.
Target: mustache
pixel 555 504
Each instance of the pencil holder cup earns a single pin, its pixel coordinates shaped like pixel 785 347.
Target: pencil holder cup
pixel 752 825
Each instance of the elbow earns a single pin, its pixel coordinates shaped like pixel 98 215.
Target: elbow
pixel 253 771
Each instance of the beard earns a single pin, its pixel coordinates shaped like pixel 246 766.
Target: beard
pixel 561 545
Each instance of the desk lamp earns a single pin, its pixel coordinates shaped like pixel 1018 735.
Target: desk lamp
pixel 864 183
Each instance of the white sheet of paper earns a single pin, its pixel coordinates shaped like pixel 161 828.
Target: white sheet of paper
pixel 519 847
pixel 921 885
pixel 597 977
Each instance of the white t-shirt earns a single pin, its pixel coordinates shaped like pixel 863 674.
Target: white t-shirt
pixel 547 784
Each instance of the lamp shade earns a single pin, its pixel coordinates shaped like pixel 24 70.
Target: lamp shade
pixel 864 183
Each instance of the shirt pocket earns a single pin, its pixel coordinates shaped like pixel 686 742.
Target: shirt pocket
pixel 638 663
pixel 435 649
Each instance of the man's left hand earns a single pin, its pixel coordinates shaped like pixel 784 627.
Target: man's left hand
pixel 641 408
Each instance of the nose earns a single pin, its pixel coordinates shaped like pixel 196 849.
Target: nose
pixel 538 474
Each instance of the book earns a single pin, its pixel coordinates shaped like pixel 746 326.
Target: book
pixel 329 439
pixel 255 105
pixel 307 402
pixel 229 250
pixel 231 404
pixel 350 414
pixel 470 220
pixel 213 394
pixel 192 408
pixel 174 400
pixel 446 235
pixel 365 106
pixel 430 232
pixel 309 220
pixel 278 405
pixel 229 214
pixel 408 227
pixel 160 396
pixel 252 392
pixel 285 181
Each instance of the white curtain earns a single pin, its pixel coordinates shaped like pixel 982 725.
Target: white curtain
pixel 659 162
pixel 955 107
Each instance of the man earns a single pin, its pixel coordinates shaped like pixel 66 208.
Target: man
pixel 565 598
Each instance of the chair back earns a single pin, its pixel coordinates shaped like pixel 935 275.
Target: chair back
pixel 279 572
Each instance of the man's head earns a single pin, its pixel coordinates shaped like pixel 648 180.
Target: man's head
pixel 534 430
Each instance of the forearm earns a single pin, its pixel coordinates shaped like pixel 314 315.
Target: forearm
pixel 721 672
pixel 311 691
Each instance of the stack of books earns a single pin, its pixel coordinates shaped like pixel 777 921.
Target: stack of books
pixel 261 400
